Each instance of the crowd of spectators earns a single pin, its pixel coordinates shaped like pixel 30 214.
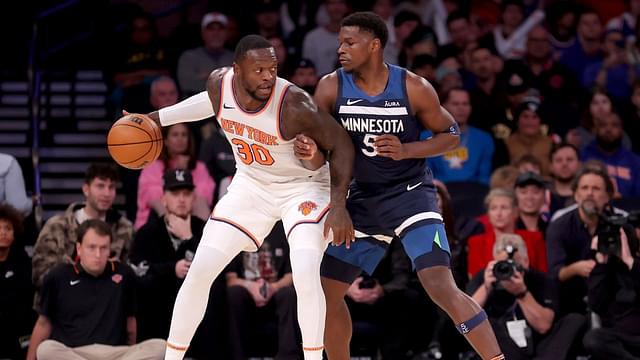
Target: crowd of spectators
pixel 547 96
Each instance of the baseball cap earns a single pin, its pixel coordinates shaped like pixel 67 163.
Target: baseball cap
pixel 516 83
pixel 214 17
pixel 178 179
pixel 530 178
pixel 528 104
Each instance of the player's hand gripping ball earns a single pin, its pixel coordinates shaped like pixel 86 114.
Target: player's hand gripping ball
pixel 134 141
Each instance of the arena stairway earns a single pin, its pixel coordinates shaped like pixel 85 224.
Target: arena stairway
pixel 74 123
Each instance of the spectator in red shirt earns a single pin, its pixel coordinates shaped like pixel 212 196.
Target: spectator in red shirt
pixel 502 213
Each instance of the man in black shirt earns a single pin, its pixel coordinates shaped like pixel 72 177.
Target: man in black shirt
pixel 162 252
pixel 522 304
pixel 87 309
pixel 614 288
pixel 569 237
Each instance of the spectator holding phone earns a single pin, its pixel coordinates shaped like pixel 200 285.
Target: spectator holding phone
pixel 162 252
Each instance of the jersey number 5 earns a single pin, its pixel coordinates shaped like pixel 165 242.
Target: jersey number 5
pixel 254 152
pixel 368 141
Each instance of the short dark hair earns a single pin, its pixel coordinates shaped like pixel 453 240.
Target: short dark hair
pixel 445 97
pixel 100 227
pixel 102 171
pixel 592 170
pixel 561 146
pixel 528 159
pixel 518 3
pixel 404 16
pixel 457 15
pixel 13 216
pixel 248 43
pixel 369 22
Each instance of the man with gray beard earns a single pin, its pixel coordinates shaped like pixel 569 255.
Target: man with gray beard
pixel 569 238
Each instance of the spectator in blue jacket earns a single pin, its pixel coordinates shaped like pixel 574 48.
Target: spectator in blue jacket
pixel 623 165
pixel 471 160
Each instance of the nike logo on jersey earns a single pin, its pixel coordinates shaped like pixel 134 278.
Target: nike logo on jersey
pixel 411 187
pixel 227 106
pixel 73 282
pixel 351 102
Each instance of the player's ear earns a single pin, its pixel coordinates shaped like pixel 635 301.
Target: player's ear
pixel 375 44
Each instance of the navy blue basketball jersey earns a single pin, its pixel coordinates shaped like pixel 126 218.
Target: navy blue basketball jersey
pixel 367 117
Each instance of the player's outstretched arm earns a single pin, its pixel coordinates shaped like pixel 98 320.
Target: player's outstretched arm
pixel 425 102
pixel 197 107
pixel 302 116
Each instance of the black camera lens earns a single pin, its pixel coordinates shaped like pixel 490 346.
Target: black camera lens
pixel 504 270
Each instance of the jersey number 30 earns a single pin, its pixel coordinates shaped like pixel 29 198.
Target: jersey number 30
pixel 368 149
pixel 254 152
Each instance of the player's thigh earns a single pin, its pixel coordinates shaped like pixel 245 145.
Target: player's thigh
pixel 240 214
pixel 303 218
pixel 426 244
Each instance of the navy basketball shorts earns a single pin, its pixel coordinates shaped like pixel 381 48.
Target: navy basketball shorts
pixel 407 211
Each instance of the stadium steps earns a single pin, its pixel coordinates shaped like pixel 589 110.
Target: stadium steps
pixel 75 121
pixel 15 122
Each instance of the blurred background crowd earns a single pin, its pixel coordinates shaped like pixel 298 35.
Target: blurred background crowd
pixel 547 96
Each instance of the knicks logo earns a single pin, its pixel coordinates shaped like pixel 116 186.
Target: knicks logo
pixel 307 207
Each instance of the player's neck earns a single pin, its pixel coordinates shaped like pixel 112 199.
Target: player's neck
pixel 244 99
pixel 372 78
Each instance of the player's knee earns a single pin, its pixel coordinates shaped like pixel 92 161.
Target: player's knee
pixel 437 284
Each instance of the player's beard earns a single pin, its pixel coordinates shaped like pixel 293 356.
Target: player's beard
pixel 254 95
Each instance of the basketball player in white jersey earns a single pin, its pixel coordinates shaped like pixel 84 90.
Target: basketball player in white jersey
pixel 261 116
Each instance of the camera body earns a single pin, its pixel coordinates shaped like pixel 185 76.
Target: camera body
pixel 608 231
pixel 504 269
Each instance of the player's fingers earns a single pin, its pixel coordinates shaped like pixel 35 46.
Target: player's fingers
pixel 125 112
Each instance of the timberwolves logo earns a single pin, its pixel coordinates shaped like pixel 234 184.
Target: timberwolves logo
pixel 307 207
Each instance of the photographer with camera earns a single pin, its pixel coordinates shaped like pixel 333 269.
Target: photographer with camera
pixel 569 238
pixel 614 288
pixel 521 304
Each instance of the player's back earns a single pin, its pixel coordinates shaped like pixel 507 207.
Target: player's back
pixel 260 150
pixel 367 117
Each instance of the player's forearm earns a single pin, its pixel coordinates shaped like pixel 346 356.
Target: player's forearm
pixel 341 166
pixel 287 280
pixel 316 162
pixel 194 108
pixel 434 146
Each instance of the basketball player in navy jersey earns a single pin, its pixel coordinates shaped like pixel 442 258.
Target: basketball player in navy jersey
pixel 384 108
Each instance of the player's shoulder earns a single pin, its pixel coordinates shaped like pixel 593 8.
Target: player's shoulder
pixel 327 90
pixel 216 76
pixel 297 100
pixel 417 82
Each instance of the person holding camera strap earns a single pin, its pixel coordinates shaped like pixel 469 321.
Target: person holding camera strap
pixel 614 288
pixel 521 304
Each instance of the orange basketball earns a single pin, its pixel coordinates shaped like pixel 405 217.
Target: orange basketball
pixel 134 141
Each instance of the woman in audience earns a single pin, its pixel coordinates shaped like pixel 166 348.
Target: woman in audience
pixel 502 214
pixel 16 289
pixel 178 153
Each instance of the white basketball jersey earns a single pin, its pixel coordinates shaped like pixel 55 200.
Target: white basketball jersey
pixel 259 149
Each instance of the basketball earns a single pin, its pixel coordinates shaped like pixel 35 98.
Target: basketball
pixel 134 141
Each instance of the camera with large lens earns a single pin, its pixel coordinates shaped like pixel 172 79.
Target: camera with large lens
pixel 504 269
pixel 608 231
